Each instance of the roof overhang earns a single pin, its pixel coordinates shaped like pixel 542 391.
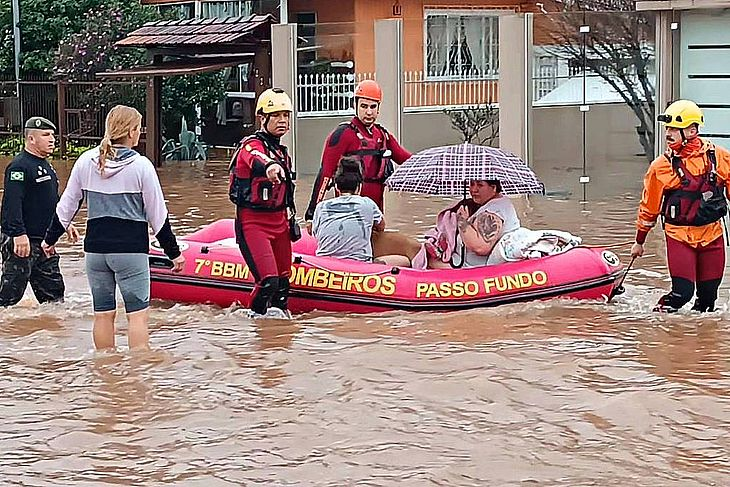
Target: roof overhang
pixel 654 5
pixel 179 67
pixel 209 32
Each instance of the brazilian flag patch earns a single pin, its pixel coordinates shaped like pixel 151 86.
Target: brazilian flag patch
pixel 17 176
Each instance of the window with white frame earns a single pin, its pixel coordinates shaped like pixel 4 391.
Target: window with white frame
pixel 461 44
pixel 546 75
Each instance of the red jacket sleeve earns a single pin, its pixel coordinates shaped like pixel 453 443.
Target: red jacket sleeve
pixel 252 158
pixel 399 154
pixel 337 143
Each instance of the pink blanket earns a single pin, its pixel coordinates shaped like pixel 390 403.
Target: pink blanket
pixel 440 242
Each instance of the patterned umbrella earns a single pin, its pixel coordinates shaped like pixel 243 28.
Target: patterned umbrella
pixel 445 171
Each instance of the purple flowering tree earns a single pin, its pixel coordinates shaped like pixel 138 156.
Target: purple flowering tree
pixel 92 50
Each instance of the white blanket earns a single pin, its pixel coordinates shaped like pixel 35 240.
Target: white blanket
pixel 524 243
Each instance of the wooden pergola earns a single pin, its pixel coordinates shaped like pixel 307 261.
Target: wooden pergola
pixel 195 46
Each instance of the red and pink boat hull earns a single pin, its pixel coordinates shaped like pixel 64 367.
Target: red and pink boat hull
pixel 216 273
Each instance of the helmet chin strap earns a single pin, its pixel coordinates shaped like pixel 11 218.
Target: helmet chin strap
pixel 367 125
pixel 265 125
pixel 684 137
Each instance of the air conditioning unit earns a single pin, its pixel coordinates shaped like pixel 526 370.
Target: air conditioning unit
pixel 240 106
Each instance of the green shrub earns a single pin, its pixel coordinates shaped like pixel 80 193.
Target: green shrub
pixel 12 145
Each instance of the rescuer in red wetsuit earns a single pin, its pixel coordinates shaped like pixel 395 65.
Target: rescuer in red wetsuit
pixel 262 189
pixel 364 139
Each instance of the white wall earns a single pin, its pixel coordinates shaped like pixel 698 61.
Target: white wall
pixel 705 72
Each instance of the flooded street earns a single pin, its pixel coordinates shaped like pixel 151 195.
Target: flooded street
pixel 553 393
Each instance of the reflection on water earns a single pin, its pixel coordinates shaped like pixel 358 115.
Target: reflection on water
pixel 548 393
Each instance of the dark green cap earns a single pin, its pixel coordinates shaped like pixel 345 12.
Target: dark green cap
pixel 39 123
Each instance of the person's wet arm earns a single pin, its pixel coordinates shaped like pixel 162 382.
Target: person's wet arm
pixel 398 153
pixel 67 208
pixel 13 199
pixel 156 212
pixel 723 168
pixel 650 205
pixel 481 232
pixel 379 220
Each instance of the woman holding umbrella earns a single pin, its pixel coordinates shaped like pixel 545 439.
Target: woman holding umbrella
pixel 489 174
pixel 480 222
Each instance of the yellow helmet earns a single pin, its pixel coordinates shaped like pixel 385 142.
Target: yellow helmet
pixel 681 114
pixel 273 100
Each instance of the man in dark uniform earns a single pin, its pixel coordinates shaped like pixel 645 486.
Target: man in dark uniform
pixel 28 205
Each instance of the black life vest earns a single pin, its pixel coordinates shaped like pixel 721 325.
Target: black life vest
pixel 375 158
pixel 700 200
pixel 257 192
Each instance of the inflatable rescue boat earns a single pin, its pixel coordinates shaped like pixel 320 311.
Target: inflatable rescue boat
pixel 216 273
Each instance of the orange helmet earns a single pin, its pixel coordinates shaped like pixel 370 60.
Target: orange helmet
pixel 369 89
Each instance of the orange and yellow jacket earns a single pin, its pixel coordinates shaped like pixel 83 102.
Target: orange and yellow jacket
pixel 661 177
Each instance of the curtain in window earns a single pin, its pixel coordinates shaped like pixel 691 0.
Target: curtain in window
pixel 493 48
pixel 475 38
pixel 183 11
pixel 462 45
pixel 436 51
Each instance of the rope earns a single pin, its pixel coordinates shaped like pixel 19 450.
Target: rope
pixel 392 270
pixel 610 246
pixel 626 273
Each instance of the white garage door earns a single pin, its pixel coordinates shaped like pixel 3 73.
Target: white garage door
pixel 705 69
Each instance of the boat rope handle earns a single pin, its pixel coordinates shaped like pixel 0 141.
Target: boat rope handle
pixel 626 273
pixel 300 260
pixel 610 246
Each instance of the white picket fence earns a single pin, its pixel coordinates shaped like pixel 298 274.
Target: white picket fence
pixel 424 93
pixel 332 93
pixel 328 93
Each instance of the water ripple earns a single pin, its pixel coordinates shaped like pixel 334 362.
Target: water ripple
pixel 548 393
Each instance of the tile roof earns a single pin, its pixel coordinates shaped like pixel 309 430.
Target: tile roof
pixel 231 30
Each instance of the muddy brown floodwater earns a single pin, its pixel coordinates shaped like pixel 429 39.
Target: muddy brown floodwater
pixel 548 393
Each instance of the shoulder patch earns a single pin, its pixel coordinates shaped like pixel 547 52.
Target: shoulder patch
pixel 17 176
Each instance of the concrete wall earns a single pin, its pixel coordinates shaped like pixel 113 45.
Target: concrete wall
pixel 311 134
pixel 428 129
pixel 611 144
pixel 515 83
pixel 420 131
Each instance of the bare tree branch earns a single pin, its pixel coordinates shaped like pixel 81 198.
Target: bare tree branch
pixel 616 48
pixel 476 123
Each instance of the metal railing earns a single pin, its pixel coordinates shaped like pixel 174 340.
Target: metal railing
pixel 77 108
pixel 328 94
pixel 578 89
pixel 428 93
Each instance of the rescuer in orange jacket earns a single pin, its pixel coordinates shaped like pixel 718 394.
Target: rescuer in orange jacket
pixel 687 186
pixel 364 139
pixel 261 187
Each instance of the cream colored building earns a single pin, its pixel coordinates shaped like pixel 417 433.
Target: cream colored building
pixel 693 58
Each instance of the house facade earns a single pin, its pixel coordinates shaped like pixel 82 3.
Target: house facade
pixel 451 47
pixel 693 44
